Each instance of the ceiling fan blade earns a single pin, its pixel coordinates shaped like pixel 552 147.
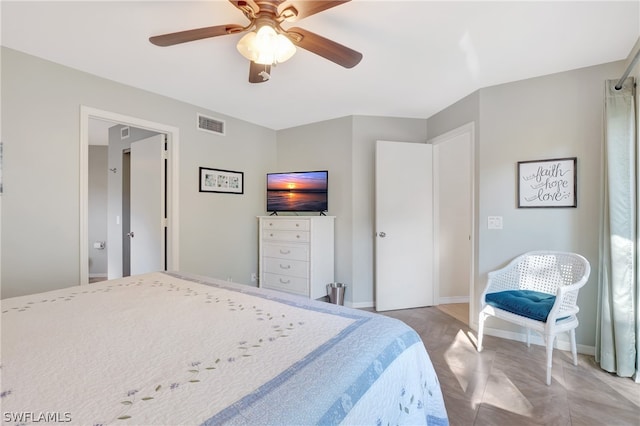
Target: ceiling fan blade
pixel 196 34
pixel 324 47
pixel 308 8
pixel 259 73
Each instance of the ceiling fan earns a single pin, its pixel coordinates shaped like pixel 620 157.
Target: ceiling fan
pixel 266 42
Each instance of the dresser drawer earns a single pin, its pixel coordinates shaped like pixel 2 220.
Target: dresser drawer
pixel 292 268
pixel 277 235
pixel 286 224
pixel 296 254
pixel 291 252
pixel 290 284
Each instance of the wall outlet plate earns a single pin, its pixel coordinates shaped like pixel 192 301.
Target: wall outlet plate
pixel 494 222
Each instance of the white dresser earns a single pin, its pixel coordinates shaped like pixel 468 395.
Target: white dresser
pixel 296 254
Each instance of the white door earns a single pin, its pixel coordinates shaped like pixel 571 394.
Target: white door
pixel 404 225
pixel 147 205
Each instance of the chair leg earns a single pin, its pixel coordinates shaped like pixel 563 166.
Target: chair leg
pixel 574 350
pixel 481 319
pixel 549 341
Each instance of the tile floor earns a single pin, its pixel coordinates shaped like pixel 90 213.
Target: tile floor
pixel 505 384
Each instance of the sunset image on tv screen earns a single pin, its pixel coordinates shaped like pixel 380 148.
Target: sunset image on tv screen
pixel 298 182
pixel 297 191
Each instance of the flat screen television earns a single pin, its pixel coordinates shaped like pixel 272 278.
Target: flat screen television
pixel 298 191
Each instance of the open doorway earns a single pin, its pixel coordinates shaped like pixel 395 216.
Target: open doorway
pixel 110 190
pixel 97 201
pixel 125 130
pixel 454 219
pixel 126 213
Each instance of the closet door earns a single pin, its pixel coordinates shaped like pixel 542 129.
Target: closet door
pixel 404 225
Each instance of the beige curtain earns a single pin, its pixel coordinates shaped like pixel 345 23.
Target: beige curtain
pixel 617 335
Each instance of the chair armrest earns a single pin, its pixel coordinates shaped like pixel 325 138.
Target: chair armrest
pixel 566 303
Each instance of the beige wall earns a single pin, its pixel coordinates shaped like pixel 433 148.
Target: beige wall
pixel 554 116
pixel 346 147
pixel 40 207
pixel 325 145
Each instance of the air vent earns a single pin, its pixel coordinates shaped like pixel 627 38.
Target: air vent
pixel 125 132
pixel 211 125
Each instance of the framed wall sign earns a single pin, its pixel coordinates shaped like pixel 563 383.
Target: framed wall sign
pixel 548 183
pixel 226 181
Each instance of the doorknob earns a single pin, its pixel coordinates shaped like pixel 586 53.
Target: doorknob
pixel 130 234
pixel 382 234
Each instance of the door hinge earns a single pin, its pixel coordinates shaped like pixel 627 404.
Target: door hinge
pixel 165 154
pixel 165 222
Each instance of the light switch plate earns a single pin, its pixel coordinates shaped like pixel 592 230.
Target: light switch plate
pixel 494 222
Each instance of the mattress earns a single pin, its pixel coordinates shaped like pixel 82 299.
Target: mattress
pixel 169 349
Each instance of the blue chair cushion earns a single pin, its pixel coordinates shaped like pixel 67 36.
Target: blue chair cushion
pixel 526 303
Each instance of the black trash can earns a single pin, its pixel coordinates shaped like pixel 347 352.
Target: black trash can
pixel 336 293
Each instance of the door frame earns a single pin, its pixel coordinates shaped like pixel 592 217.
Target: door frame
pixel 173 144
pixel 126 212
pixel 468 128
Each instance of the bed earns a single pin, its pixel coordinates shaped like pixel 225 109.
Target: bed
pixel 167 349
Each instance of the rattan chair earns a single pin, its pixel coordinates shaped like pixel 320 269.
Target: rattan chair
pixel 539 291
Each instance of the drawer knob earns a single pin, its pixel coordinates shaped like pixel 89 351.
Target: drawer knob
pixel 285 251
pixel 297 236
pixel 285 281
pixel 285 266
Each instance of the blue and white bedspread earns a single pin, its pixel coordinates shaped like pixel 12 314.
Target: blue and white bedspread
pixel 169 349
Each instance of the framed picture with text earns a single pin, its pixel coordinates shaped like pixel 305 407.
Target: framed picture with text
pixel 225 181
pixel 548 183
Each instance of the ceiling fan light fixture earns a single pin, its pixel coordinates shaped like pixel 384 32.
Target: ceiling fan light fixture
pixel 266 46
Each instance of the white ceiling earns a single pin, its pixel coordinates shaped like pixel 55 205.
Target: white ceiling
pixel 419 56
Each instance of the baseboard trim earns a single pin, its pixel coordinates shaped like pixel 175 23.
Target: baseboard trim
pixel 455 299
pixel 98 275
pixel 441 301
pixel 361 305
pixel 536 339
